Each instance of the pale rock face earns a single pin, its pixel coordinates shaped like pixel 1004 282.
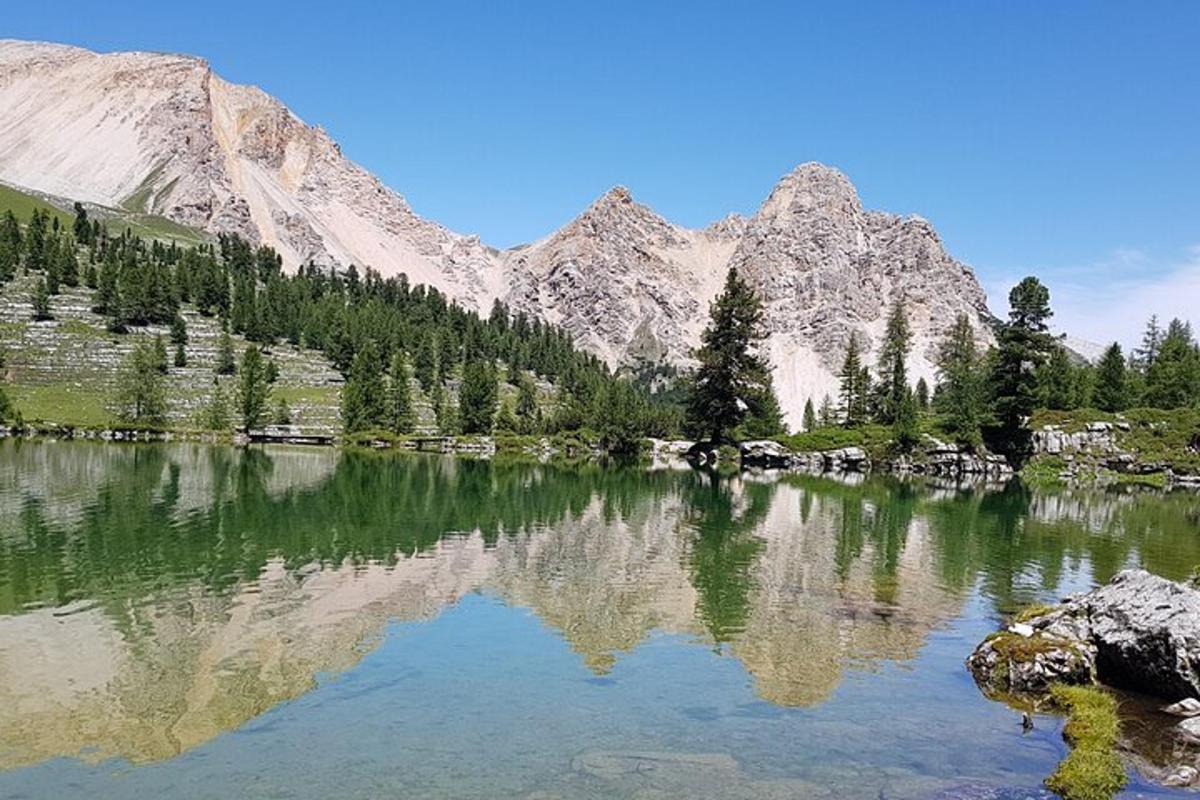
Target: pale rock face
pixel 164 134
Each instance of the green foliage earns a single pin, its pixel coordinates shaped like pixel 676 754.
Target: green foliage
pixel 1024 347
pixel 282 415
pixel 477 397
pixel 1111 390
pixel 1173 376
pixel 401 416
pixel 364 400
pixel 810 416
pixel 893 368
pixel 855 386
pixel 620 419
pixel 960 394
pixel 141 390
pixel 253 389
pixel 214 415
pixel 1092 770
pixel 41 302
pixel 733 381
pixel 225 359
pixel 904 427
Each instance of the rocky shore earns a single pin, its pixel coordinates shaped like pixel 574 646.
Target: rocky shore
pixel 1139 633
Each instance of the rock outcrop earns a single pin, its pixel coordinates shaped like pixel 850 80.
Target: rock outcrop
pixel 164 134
pixel 1139 631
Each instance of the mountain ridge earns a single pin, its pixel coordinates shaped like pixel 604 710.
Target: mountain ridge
pixel 164 134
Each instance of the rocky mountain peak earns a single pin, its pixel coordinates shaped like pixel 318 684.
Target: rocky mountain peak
pixel 164 134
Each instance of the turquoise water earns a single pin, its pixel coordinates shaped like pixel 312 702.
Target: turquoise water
pixel 199 622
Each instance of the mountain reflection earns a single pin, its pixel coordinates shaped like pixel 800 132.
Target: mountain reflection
pixel 154 597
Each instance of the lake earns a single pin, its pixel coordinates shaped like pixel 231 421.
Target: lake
pixel 189 621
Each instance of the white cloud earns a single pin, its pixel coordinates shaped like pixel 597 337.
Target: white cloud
pixel 1111 300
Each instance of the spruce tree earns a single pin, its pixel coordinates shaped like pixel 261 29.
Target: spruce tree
pixel 425 368
pixel 477 397
pixel 215 415
pixel 82 228
pixel 10 246
pixel 400 408
pixel 141 389
pixel 41 301
pixel 225 358
pixel 827 415
pixel 1056 381
pixel 253 390
pixel 733 381
pixel 905 432
pixel 960 396
pixel 35 242
pixel 921 395
pixel 1110 393
pixel 893 366
pixel 1173 378
pixel 852 394
pixel 1024 346
pixel 68 263
pixel 1146 354
pixel 160 355
pixel 527 408
pixel 364 398
pixel 282 415
pixel 810 416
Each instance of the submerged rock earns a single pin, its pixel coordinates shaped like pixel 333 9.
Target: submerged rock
pixel 1139 632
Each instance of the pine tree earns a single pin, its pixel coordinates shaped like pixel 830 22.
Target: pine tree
pixel 1145 355
pixel 225 358
pixel 477 397
pixel 364 399
pixel 893 367
pixel 921 395
pixel 10 246
pixel 827 415
pixel 506 417
pixel 425 365
pixel 400 407
pixel 67 263
pixel 733 381
pixel 1056 386
pixel 810 416
pixel 527 407
pixel 905 432
pixel 1173 378
pixel 960 395
pixel 35 242
pixel 180 356
pixel 253 390
pixel 1110 392
pixel 82 228
pixel 141 389
pixel 1024 347
pixel 619 419
pixel 215 415
pixel 160 355
pixel 282 415
pixel 41 302
pixel 853 400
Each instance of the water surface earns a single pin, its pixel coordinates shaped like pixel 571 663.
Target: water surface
pixel 200 622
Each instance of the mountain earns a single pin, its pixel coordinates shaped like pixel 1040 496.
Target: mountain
pixel 164 135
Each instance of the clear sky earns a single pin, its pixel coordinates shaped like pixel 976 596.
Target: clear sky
pixel 1060 139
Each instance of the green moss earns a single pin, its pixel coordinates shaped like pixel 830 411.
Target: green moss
pixel 1014 647
pixel 1032 612
pixel 1044 472
pixel 1092 770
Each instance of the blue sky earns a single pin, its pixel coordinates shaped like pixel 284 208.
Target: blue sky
pixel 1060 139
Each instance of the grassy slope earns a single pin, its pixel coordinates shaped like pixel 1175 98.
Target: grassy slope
pixel 1169 437
pixel 151 226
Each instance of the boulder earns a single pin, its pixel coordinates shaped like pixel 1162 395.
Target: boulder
pixel 1139 631
pixel 765 453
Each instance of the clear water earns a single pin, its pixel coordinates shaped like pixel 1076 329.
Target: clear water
pixel 199 622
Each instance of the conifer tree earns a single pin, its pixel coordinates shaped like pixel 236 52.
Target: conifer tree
pixel 1110 392
pixel 282 415
pixel 960 396
pixel 364 402
pixel 68 263
pixel 215 415
pixel 141 389
pixel 477 397
pixel 1024 347
pixel 82 228
pixel 225 358
pixel 905 432
pixel 400 407
pixel 425 367
pixel 41 301
pixel 733 381
pixel 1146 354
pixel 10 246
pixel 35 242
pixel 253 390
pixel 921 395
pixel 1173 377
pixel 893 366
pixel 827 415
pixel 1056 381
pixel 527 408
pixel 160 355
pixel 810 416
pixel 854 385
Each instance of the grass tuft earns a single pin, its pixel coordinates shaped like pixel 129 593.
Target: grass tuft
pixel 1092 770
